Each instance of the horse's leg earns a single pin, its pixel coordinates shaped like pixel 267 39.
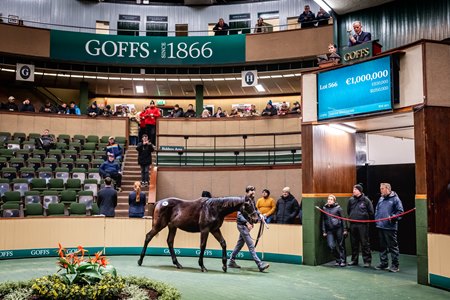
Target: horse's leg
pixel 148 238
pixel 170 238
pixel 203 239
pixel 219 237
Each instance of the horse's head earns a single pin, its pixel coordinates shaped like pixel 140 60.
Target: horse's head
pixel 248 208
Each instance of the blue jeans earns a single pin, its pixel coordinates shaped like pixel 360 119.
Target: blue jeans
pixel 145 173
pixel 336 244
pixel 245 238
pixel 133 140
pixel 269 219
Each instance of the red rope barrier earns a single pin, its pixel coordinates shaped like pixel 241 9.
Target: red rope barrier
pixel 366 221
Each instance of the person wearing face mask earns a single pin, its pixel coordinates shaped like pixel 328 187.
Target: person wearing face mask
pixel 149 116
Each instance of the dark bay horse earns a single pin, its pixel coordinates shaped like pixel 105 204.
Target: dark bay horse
pixel 202 215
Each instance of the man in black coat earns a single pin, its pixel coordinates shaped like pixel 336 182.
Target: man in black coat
pixel 287 208
pixel 145 149
pixel 107 199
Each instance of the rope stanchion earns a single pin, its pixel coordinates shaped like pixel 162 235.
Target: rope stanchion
pixel 367 221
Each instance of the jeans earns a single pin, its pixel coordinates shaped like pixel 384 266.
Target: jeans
pixel 151 132
pixel 359 234
pixel 245 238
pixel 336 243
pixel 388 244
pixel 269 219
pixel 145 173
pixel 133 140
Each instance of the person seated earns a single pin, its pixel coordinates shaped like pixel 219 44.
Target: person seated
pixel 73 109
pixel 10 105
pixel 219 113
pixel 322 17
pixel 62 109
pixel 296 109
pixel 47 108
pixel 307 18
pixel 177 112
pixel 260 26
pixel 266 206
pixel 283 110
pixel 332 53
pixel 235 112
pixel 206 113
pixel 107 112
pixel 27 106
pixel 269 110
pixel 119 112
pixel 360 36
pixel 46 141
pixel 190 112
pixel 252 112
pixel 221 28
pixel 110 168
pixel 93 110
pixel 113 148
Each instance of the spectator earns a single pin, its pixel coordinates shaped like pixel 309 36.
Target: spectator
pixel 221 28
pixel 150 115
pixel 141 123
pixel 269 110
pixel 145 149
pixel 252 111
pixel 93 110
pixel 107 112
pixel 46 141
pixel 307 18
pixel 296 109
pixel 47 108
pixel 322 17
pixel 360 36
pixel 137 201
pixel 107 199
pixel 360 208
pixel 27 106
pixel 389 205
pixel 284 109
pixel 332 53
pixel 244 227
pixel 266 206
pixel 177 112
pixel 260 26
pixel 113 148
pixel 134 126
pixel 190 112
pixel 236 112
pixel 73 109
pixel 219 113
pixel 206 113
pixel 110 168
pixel 287 207
pixel 120 112
pixel 62 108
pixel 333 230
pixel 10 105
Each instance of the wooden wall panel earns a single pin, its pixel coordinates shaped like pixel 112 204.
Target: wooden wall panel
pixel 419 150
pixel 437 74
pixel 25 40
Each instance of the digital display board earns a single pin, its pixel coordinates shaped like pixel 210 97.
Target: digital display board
pixel 357 89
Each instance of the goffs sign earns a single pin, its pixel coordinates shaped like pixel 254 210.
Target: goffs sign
pixel 249 78
pixel 25 72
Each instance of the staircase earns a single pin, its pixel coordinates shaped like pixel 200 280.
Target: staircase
pixel 131 172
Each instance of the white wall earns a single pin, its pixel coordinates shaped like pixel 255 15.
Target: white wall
pixel 386 150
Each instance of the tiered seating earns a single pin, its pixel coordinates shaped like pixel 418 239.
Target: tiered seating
pixel 63 182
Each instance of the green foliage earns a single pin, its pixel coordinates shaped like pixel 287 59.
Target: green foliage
pixel 7 287
pixel 134 292
pixel 165 291
pixel 19 294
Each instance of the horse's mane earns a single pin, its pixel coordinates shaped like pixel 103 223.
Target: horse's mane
pixel 225 201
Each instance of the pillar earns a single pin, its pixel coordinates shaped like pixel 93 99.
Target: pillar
pixel 199 100
pixel 84 97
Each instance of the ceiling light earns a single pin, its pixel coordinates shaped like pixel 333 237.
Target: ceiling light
pixel 264 77
pixel 196 79
pixel 89 77
pixel 149 79
pixel 9 70
pixel 207 79
pixel 342 127
pixel 38 73
pixel 122 78
pixel 161 79
pixel 76 76
pixel 230 78
pixel 102 77
pixel 298 74
pixel 139 89
pixel 260 88
pixel 219 79
pixel 138 79
pixel 172 79
pixel 288 75
pixel 184 79
pixel 276 76
pixel 323 5
pixel 114 78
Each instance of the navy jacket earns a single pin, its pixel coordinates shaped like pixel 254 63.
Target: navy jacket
pixel 107 201
pixel 362 38
pixel 109 168
pixel 137 209
pixel 330 223
pixel 388 206
pixel 360 208
pixel 287 210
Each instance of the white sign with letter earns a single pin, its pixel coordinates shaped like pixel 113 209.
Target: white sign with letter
pixel 249 78
pixel 25 72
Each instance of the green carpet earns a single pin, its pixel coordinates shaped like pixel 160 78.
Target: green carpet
pixel 281 281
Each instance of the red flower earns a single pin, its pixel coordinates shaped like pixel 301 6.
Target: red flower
pixel 61 250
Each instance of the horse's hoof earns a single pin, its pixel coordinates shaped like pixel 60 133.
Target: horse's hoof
pixel 179 266
pixel 204 269
pixel 140 262
pixel 224 268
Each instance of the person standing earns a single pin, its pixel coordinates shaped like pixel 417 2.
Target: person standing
pixel 266 205
pixel 307 18
pixel 244 226
pixel 221 28
pixel 150 115
pixel 389 205
pixel 260 26
pixel 134 126
pixel 360 208
pixel 107 199
pixel 145 149
pixel 333 230
pixel 287 207
pixel 360 36
pixel 137 201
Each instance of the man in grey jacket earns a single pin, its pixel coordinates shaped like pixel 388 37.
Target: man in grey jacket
pixel 389 205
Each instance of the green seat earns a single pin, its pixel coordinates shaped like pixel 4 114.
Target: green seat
pixel 4 136
pixel 27 173
pixel 104 139
pixel 96 163
pixel 49 197
pixel 79 173
pixel 38 184
pixel 45 173
pixel 82 163
pixel 51 163
pixel 71 153
pixel 29 145
pixel 34 136
pixel 62 146
pixel 4 186
pixel 17 163
pixel 34 209
pixel 121 140
pixel 11 210
pixel 20 185
pixel 62 173
pixel 94 173
pixel 32 197
pixel 100 154
pixel 66 163
pixel 8 153
pixel 68 196
pixel 55 153
pixel 79 138
pixel 77 209
pixel 12 197
pixel 64 138
pixel 73 184
pixel 86 154
pixel 9 173
pixel 55 209
pixel 75 146
pixel 34 163
pixel 19 136
pixel 56 184
pixel 13 145
pixel 24 154
pixel 87 198
pixel 92 139
pixel 38 153
pixel 90 146
pixel 102 147
pixel 3 162
pixel 95 209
